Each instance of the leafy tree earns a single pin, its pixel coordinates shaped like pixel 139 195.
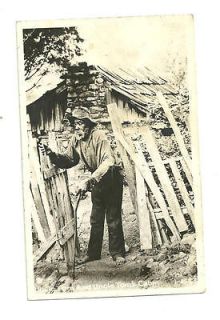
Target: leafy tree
pixel 49 48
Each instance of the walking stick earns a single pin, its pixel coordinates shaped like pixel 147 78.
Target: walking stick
pixel 75 231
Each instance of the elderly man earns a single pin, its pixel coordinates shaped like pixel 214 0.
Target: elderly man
pixel 106 185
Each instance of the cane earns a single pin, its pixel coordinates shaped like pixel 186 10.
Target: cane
pixel 75 230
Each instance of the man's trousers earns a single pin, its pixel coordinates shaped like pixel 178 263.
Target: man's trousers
pixel 106 202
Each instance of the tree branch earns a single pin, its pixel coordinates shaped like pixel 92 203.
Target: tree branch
pixel 28 36
pixel 34 85
pixel 31 75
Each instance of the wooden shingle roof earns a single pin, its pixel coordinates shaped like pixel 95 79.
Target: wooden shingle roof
pixel 139 85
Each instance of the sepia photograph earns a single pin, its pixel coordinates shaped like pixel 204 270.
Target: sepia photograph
pixel 110 157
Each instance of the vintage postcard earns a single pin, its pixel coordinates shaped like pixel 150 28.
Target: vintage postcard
pixel 111 180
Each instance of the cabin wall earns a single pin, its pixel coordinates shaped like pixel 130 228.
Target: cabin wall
pixel 46 114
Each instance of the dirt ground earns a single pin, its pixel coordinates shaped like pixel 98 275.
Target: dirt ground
pixel 169 266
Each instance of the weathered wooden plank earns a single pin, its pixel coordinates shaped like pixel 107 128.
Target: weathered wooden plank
pixel 56 117
pixel 149 178
pixel 59 111
pixel 159 215
pixel 176 129
pixel 34 159
pixel 35 189
pixel 46 116
pixel 164 180
pixel 142 166
pixel 128 167
pixel 121 108
pixel 164 237
pixel 57 190
pixel 59 219
pixel 70 215
pixel 155 230
pixel 39 205
pixel 67 217
pixel 43 159
pixel 52 203
pixel 52 124
pixel 44 247
pixel 52 141
pixel 129 173
pixel 41 119
pixel 48 173
pixel 67 209
pixel 34 214
pixel 182 187
pixel 186 171
pixel 65 213
pixel 129 112
pixel 73 212
pixel 143 213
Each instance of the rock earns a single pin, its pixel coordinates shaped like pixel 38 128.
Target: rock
pixel 127 248
pixel 69 282
pixel 188 239
pixel 91 98
pixel 164 269
pixel 99 80
pixel 175 249
pixel 185 248
pixel 173 258
pixel 191 260
pixel 150 262
pixel 51 280
pixel 181 255
pixel 150 252
pixel 133 258
pixel 161 257
pixel 145 270
pixel 193 270
pixel 93 87
pixel 156 265
pixel 39 281
pixel 62 269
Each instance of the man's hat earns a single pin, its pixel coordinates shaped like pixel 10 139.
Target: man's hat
pixel 80 113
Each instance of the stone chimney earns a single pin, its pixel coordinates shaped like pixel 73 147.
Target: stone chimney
pixel 86 87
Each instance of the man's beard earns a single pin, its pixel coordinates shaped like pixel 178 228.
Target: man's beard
pixel 82 134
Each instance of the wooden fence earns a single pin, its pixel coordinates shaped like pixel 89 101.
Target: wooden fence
pixel 166 221
pixel 52 213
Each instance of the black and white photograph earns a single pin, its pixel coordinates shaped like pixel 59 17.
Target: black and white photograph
pixel 110 157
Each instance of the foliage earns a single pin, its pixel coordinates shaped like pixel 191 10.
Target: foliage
pixel 45 48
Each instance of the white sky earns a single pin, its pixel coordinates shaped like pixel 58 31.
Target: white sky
pixel 135 41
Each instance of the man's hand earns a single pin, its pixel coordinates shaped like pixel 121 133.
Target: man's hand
pixel 82 188
pixel 44 149
pixel 85 185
